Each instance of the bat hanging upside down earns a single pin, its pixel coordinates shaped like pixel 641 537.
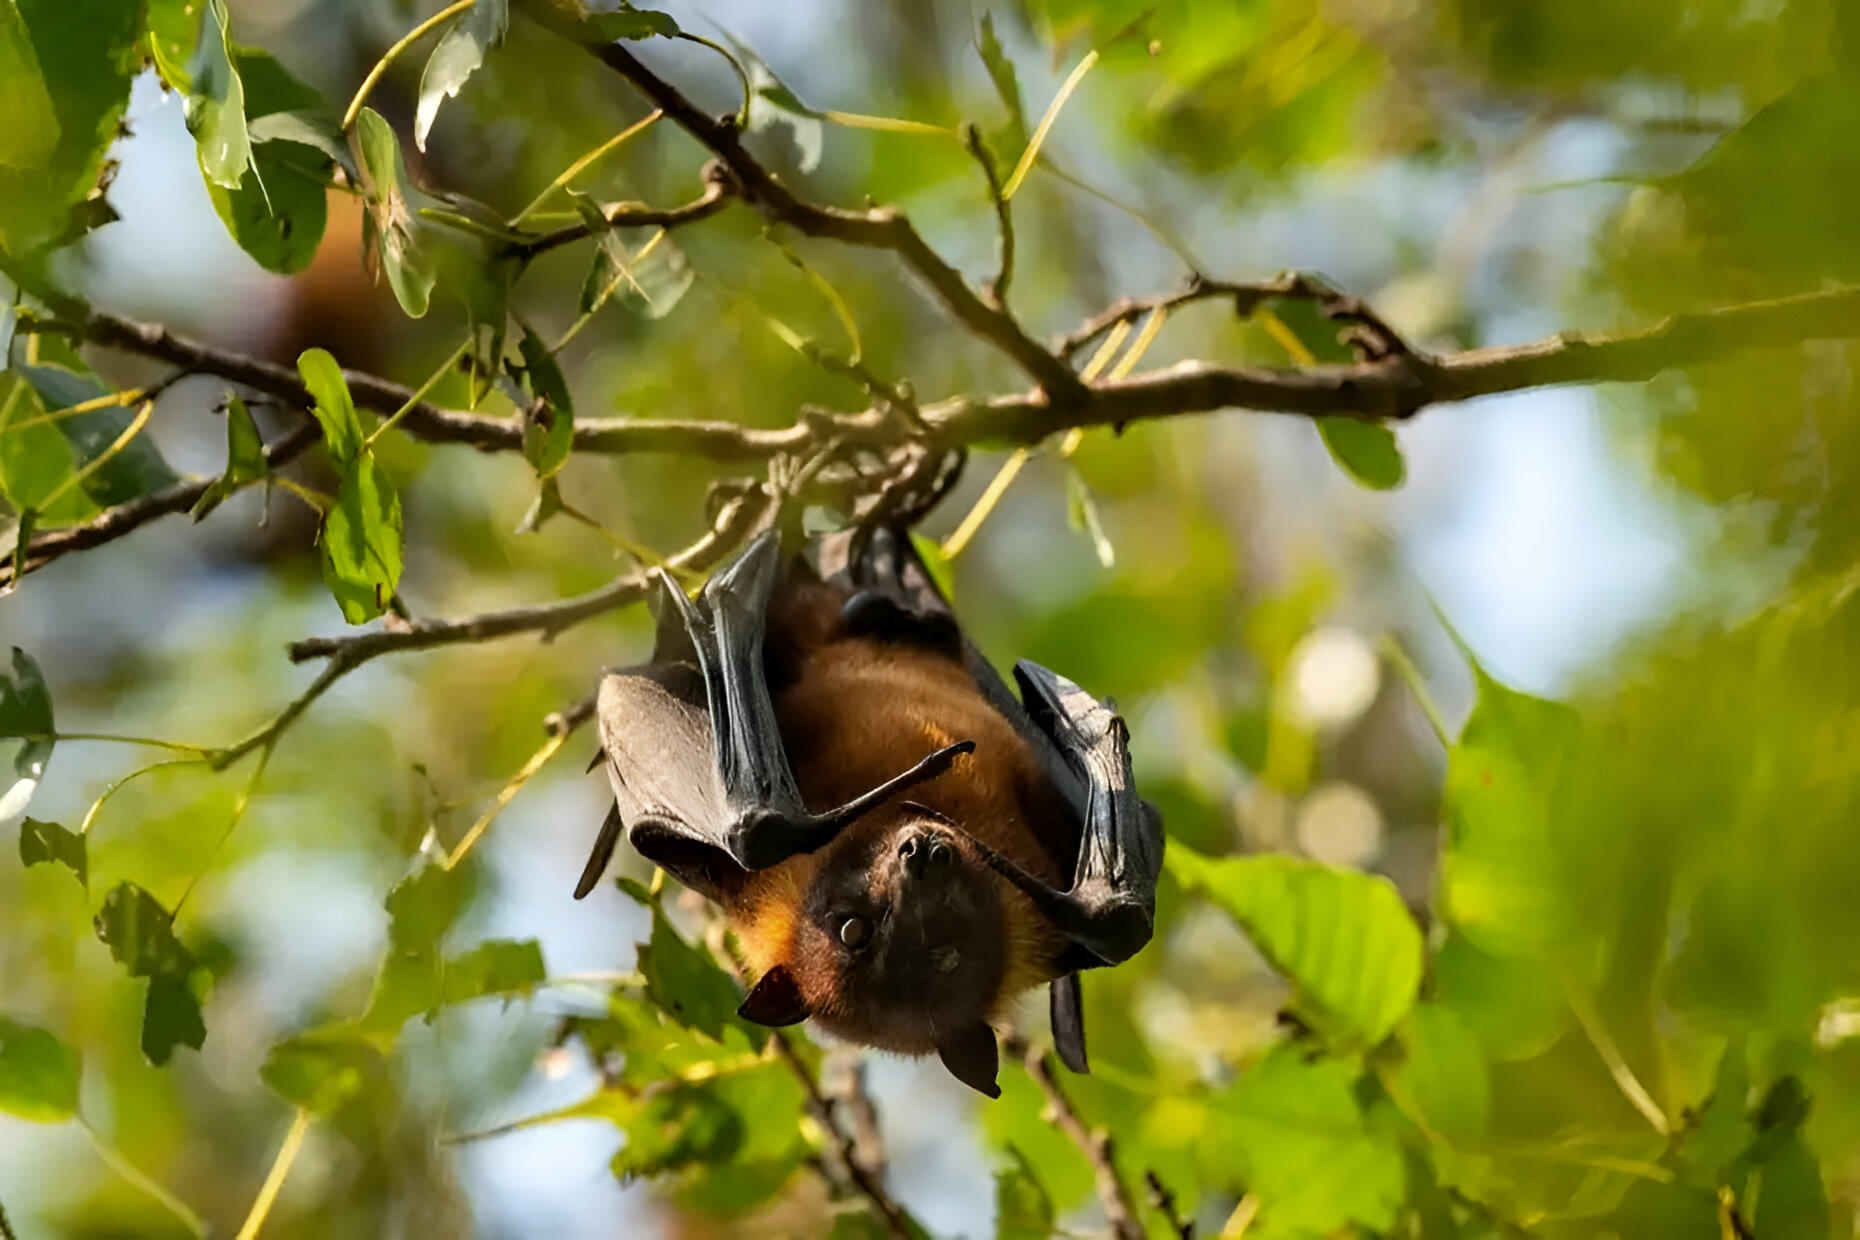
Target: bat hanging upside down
pixel 902 846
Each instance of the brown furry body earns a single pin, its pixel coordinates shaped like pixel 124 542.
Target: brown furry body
pixel 853 711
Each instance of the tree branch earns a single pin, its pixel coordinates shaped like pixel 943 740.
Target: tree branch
pixel 733 525
pixel 113 523
pixel 1120 1210
pixel 721 441
pixel 638 215
pixel 883 228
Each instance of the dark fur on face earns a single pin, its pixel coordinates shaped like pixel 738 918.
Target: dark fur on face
pixel 900 936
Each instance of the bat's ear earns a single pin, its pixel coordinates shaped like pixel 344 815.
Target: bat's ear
pixel 775 1000
pixel 971 1057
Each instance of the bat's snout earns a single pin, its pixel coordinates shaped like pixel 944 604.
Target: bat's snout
pixel 924 854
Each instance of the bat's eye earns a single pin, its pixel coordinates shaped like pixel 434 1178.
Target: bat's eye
pixel 854 931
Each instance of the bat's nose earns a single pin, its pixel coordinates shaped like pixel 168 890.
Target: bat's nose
pixel 923 854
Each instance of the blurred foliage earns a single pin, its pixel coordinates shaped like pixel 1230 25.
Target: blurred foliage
pixel 1590 969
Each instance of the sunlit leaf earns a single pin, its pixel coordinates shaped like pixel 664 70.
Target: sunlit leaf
pixel 245 458
pixel 507 967
pixel 1342 938
pixel 1290 1130
pixel 1503 885
pixel 409 267
pixel 173 34
pixel 30 136
pixel 456 57
pixel 39 1074
pixel 685 982
pixel 47 842
pixel 343 432
pixel 1443 1072
pixel 85 52
pixel 361 541
pixel 216 109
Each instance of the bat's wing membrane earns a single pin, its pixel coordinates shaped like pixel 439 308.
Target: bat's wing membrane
pixel 701 782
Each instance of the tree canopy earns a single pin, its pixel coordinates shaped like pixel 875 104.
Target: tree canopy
pixel 1430 421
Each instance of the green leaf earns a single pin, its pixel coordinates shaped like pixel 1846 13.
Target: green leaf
pixel 1023 1211
pixel 456 57
pixel 1503 885
pixel 628 22
pixel 36 459
pixel 506 967
pixel 23 531
pixel 140 933
pixel 362 542
pixel 171 1018
pixel 26 710
pixel 39 463
pixel 685 982
pixel 173 34
pixel 270 88
pixel 39 1074
pixel 1290 1130
pixel 391 223
pixel 30 136
pixel 321 1069
pixel 86 53
pixel 772 105
pixel 942 572
pixel 1367 451
pixel 1007 82
pixel 1082 515
pixel 861 1224
pixel 245 458
pixel 343 432
pixel 277 215
pixel 47 841
pixel 216 109
pixel 314 129
pixel 1516 1013
pixel 1342 938
pixel 421 908
pixel 1444 1073
pixel 549 416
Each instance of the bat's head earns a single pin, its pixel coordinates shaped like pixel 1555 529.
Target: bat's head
pixel 897 942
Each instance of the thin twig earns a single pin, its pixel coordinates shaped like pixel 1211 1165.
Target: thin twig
pixel 1163 1202
pixel 351 650
pixel 995 289
pixel 1120 1209
pixel 861 1180
pixel 845 1068
pixel 883 228
pixel 114 522
pixel 715 197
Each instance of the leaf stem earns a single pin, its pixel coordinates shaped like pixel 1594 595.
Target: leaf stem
pixel 420 394
pixel 1404 666
pixel 387 58
pixel 77 477
pixel 119 1163
pixel 117 738
pixel 581 165
pixel 280 1168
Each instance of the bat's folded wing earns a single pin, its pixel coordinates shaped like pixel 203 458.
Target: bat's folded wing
pixel 701 781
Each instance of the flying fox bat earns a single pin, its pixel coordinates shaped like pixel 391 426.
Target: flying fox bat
pixel 902 845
